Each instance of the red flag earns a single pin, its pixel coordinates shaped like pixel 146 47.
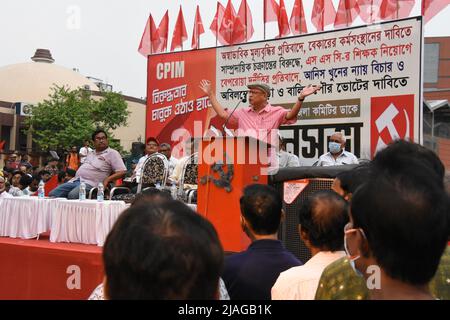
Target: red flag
pixel 369 10
pixel 347 12
pixel 198 29
pixel 323 14
pixel 271 10
pixel 150 38
pixel 163 30
pixel 215 24
pixel 179 32
pixel 430 8
pixel 298 21
pixel 283 21
pixel 245 17
pixel 227 24
pixel 396 9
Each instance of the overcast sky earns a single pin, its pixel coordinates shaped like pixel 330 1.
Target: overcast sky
pixel 101 37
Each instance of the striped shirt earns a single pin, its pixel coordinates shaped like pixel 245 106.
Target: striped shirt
pixel 259 124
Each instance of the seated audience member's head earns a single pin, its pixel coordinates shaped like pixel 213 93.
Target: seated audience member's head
pixel 164 251
pixel 52 162
pixel 34 185
pixel 322 218
pixel 23 168
pixel 69 174
pixel 151 146
pixel 261 211
pixel 152 196
pixel 399 221
pixel 45 175
pixel 165 149
pixel 16 178
pixel 346 182
pixel 61 177
pixel 25 181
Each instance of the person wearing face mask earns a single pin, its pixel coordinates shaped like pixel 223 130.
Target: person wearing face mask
pixel 343 279
pixel 337 155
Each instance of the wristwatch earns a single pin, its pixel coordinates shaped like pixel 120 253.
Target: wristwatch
pixel 301 100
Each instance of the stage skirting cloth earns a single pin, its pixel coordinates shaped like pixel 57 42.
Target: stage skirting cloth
pixel 39 269
pixel 86 221
pixel 75 221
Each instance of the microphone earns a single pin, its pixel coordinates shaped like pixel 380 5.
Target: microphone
pixel 244 100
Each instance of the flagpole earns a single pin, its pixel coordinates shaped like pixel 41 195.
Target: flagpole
pixel 264 19
pixel 346 11
pixel 245 12
pixel 323 16
pixel 398 7
pixel 371 11
pixel 300 16
pixel 151 44
pixel 217 22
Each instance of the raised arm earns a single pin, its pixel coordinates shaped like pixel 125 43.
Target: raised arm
pixel 205 85
pixel 298 104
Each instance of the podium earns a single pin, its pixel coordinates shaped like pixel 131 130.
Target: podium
pixel 226 166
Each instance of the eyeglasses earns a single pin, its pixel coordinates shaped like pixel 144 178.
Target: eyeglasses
pixel 334 140
pixel 101 138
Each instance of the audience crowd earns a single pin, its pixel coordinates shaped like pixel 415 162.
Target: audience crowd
pixel 381 232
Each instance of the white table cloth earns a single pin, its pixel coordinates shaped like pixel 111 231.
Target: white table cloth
pixel 85 221
pixel 25 217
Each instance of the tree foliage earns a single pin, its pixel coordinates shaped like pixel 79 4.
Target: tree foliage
pixel 69 117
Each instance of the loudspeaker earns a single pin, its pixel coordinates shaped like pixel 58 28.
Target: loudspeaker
pixel 320 178
pixel 289 231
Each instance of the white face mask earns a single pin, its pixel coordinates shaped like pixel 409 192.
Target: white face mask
pixel 352 259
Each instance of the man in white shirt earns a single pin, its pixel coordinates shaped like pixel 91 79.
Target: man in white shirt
pixel 286 159
pixel 337 155
pixel 322 219
pixel 84 151
pixel 3 192
pixel 191 146
pixel 166 150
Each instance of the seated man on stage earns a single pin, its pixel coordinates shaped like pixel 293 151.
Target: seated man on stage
pixel 337 155
pixel 95 169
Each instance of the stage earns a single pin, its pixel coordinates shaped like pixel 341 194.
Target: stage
pixel 40 269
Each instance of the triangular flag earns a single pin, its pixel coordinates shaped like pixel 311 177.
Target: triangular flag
pixel 198 29
pixel 179 32
pixel 298 20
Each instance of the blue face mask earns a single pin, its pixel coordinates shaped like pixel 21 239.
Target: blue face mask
pixel 334 147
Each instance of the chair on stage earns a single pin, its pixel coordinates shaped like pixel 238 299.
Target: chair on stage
pixel 155 171
pixel 189 176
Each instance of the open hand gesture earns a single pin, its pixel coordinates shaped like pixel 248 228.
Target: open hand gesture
pixel 308 90
pixel 205 85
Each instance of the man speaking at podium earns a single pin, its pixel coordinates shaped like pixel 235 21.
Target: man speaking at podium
pixel 260 117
